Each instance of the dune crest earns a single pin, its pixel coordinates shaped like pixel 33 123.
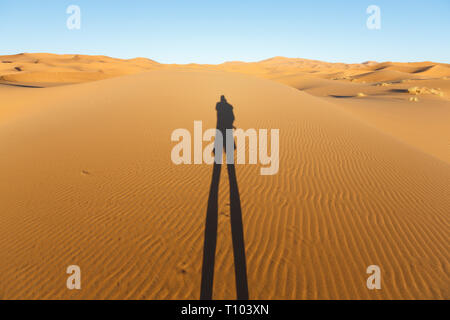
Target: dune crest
pixel 40 64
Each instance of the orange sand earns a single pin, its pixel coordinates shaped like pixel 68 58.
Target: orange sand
pixel 87 179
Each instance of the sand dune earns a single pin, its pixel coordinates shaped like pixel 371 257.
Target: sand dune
pixel 47 68
pixel 87 180
pixel 19 67
pixel 435 71
pixel 385 75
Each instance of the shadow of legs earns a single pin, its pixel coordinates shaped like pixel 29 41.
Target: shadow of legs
pixel 237 233
pixel 209 247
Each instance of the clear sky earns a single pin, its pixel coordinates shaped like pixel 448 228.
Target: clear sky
pixel 213 31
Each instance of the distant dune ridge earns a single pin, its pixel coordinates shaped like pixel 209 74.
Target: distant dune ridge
pixel 44 67
pixel 87 178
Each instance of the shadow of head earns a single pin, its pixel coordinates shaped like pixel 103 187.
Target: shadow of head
pixel 225 115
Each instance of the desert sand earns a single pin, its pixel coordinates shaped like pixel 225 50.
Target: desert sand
pixel 87 179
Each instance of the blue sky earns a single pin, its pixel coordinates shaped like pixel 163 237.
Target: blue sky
pixel 212 31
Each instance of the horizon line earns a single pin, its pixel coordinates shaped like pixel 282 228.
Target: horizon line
pixel 230 61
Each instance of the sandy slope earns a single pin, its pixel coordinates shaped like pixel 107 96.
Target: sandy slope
pixel 87 180
pixel 52 68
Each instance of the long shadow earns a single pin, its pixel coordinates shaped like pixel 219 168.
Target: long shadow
pixel 19 85
pixel 209 247
pixel 341 97
pixel 225 118
pixel 399 90
pixel 237 234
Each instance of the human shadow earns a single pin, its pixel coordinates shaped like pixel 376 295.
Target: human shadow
pixel 225 119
